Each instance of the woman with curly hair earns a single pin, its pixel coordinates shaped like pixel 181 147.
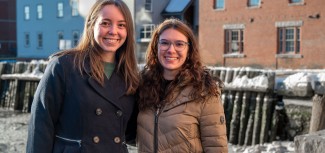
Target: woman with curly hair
pixel 180 103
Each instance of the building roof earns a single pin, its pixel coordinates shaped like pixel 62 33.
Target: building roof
pixel 176 6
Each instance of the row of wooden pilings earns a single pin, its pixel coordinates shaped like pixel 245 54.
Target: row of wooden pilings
pixel 251 113
pixel 18 84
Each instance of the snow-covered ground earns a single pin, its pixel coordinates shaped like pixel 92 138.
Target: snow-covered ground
pixel 14 125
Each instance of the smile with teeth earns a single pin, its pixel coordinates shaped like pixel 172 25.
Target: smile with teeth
pixel 171 58
pixel 111 41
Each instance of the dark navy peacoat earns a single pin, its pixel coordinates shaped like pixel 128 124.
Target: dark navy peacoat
pixel 72 113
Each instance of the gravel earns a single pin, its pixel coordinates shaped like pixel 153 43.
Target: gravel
pixel 13 127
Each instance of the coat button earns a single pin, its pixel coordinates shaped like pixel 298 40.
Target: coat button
pixel 119 113
pixel 117 140
pixel 99 111
pixel 96 139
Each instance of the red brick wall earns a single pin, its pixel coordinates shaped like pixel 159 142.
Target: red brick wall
pixel 260 35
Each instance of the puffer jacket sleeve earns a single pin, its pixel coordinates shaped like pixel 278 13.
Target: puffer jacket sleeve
pixel 45 109
pixel 213 126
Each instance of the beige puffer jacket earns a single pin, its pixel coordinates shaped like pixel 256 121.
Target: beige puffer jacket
pixel 184 126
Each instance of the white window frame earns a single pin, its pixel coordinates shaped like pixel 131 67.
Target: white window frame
pixel 146 31
pixel 296 1
pixel 254 3
pixel 74 6
pixel 60 8
pixel 26 12
pixel 39 11
pixel 218 7
pixel 148 5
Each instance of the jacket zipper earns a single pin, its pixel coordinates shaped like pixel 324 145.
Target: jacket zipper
pixel 155 145
pixel 71 140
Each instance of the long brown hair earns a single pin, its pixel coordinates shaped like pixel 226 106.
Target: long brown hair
pixel 192 72
pixel 89 49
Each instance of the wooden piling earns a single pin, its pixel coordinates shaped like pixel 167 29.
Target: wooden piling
pixel 258 119
pixel 266 118
pixel 230 97
pixel 235 121
pixel 250 123
pixel 317 121
pixel 244 117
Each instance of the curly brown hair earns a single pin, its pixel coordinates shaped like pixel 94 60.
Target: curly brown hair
pixel 192 72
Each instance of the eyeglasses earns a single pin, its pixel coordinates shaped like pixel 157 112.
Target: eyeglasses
pixel 178 45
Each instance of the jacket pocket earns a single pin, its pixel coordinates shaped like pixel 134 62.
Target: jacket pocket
pixel 174 110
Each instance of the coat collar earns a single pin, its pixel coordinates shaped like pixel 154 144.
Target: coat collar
pixel 113 88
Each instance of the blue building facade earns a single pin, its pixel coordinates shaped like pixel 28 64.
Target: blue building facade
pixel 45 27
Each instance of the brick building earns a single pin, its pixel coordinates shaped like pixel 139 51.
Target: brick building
pixel 263 33
pixel 8 45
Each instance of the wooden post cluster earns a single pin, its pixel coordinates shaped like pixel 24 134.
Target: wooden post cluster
pixel 17 86
pixel 251 117
pixel 248 111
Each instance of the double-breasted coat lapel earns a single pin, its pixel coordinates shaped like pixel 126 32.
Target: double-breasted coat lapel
pixel 74 113
pixel 116 90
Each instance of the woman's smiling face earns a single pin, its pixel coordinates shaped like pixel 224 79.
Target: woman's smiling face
pixel 173 57
pixel 110 29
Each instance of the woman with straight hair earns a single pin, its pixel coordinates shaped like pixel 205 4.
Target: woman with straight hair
pixel 85 100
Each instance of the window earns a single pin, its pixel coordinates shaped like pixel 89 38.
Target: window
pixel 39 40
pixel 75 36
pixel 74 5
pixel 148 5
pixel 27 42
pixel 39 11
pixel 219 4
pixel 27 13
pixel 234 41
pixel 252 3
pixel 60 9
pixel 295 1
pixel 146 32
pixel 288 40
pixel 60 40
